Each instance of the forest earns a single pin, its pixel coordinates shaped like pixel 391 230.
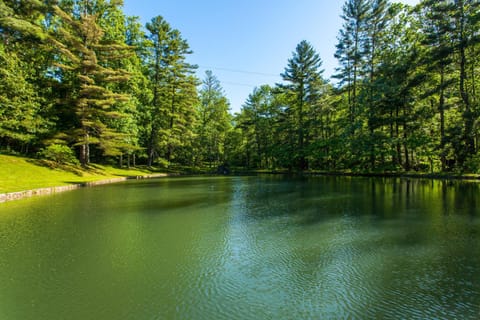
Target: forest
pixel 82 82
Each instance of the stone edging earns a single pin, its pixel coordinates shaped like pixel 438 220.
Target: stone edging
pixel 12 196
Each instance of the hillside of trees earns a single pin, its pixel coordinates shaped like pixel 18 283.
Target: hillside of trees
pixel 83 82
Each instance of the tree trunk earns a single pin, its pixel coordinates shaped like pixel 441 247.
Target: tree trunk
pixel 441 108
pixel 467 114
pixel 85 151
pixel 83 155
pixel 151 146
pixel 397 135
pixel 405 147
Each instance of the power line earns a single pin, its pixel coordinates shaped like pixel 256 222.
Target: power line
pixel 240 71
pixel 239 84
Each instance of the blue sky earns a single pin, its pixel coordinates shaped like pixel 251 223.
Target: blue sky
pixel 247 43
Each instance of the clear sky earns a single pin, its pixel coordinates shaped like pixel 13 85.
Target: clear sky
pixel 246 43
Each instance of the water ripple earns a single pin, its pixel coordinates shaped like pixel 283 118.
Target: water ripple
pixel 245 248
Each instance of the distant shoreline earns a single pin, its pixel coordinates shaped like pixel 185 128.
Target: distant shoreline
pixel 435 176
pixel 13 196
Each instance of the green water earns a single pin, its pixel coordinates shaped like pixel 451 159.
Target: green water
pixel 244 248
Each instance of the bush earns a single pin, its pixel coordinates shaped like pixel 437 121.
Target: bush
pixel 162 163
pixel 472 165
pixel 59 154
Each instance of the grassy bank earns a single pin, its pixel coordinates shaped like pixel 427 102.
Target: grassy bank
pixel 18 174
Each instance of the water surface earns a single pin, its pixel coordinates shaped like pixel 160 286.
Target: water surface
pixel 266 247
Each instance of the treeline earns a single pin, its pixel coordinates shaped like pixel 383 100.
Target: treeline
pixel 82 81
pixel 405 96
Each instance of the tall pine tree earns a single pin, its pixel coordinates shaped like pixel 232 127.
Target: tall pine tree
pixel 304 87
pixel 214 120
pixel 88 101
pixel 171 112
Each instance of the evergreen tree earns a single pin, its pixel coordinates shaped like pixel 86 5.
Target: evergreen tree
pixel 88 102
pixel 172 109
pixel 20 123
pixel 451 41
pixel 304 88
pixel 214 120
pixel 376 24
pixel 466 21
pixel 119 29
pixel 350 52
pixel 138 86
pixel 85 75
pixel 23 59
pixel 21 20
pixel 437 29
pixel 258 123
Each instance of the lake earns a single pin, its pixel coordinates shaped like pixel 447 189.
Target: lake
pixel 260 247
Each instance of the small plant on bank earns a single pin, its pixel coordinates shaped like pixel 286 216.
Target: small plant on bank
pixel 59 154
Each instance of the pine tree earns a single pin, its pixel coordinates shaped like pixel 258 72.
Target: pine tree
pixel 21 20
pixel 451 39
pixel 120 29
pixel 88 100
pixel 172 109
pixel 304 87
pixel 437 29
pixel 19 104
pixel 350 52
pixel 375 41
pixel 138 86
pixel 214 120
pixel 258 123
pixel 466 19
pixel 23 57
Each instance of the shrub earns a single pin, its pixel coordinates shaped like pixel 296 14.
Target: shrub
pixel 472 165
pixel 59 154
pixel 163 163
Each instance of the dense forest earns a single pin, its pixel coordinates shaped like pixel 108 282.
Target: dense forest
pixel 82 82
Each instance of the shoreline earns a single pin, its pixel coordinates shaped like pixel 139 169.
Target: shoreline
pixel 433 176
pixel 19 195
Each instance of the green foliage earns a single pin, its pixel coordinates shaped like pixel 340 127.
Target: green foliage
pixel 303 90
pixel 19 112
pixel 170 115
pixel 87 73
pixel 258 124
pixel 22 106
pixel 59 154
pixel 404 99
pixel 472 165
pixel 81 75
pixel 213 122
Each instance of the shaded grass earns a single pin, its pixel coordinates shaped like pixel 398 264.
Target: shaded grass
pixel 19 174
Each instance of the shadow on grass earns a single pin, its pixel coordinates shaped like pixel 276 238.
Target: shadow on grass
pixel 57 166
pixel 97 169
pixel 94 169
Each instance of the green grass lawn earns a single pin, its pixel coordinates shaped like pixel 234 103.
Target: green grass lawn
pixel 18 174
